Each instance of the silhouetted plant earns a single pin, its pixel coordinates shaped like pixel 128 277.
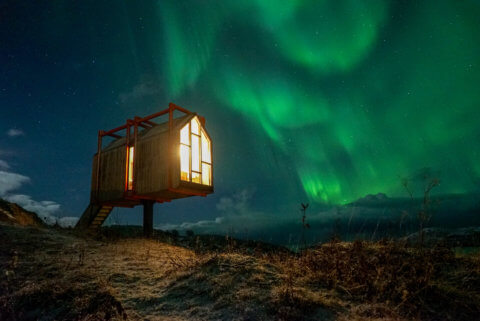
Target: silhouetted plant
pixel 305 225
pixel 174 234
pixel 337 230
pixel 429 181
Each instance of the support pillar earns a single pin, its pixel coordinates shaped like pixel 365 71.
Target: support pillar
pixel 148 218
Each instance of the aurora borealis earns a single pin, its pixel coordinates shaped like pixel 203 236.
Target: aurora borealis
pixel 359 91
pixel 320 101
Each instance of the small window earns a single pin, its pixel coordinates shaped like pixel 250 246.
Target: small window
pixel 196 178
pixel 185 135
pixel 130 154
pixel 195 126
pixel 206 151
pixel 195 153
pixel 206 174
pixel 184 162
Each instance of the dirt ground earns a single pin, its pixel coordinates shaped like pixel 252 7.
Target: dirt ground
pixel 50 274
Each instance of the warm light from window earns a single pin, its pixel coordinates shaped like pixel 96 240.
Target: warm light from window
pixel 184 162
pixel 185 135
pixel 206 174
pixel 195 126
pixel 195 154
pixel 206 157
pixel 196 177
pixel 130 168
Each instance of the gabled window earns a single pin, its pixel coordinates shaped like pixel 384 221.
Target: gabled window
pixel 195 154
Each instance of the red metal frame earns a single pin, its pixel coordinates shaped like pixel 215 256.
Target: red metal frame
pixel 145 122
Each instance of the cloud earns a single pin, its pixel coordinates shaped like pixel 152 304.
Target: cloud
pixel 14 132
pixel 4 164
pixel 68 221
pixel 140 90
pixel 236 215
pixel 11 181
pixel 204 225
pixel 235 204
pixel 44 209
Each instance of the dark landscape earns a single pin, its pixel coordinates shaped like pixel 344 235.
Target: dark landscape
pixel 51 273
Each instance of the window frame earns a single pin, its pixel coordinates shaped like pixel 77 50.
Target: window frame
pixel 191 173
pixel 130 167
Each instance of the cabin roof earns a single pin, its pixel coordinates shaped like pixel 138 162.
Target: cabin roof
pixel 144 133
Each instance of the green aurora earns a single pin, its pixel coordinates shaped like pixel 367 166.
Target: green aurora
pixel 359 91
pixel 352 94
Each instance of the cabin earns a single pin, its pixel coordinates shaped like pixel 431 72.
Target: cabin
pixel 147 162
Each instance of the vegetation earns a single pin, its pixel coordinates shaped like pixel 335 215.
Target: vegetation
pixel 427 180
pixel 54 274
pixel 305 225
pixel 11 213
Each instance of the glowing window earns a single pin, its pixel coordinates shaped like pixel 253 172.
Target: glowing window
pixel 185 135
pixel 195 126
pixel 206 157
pixel 195 154
pixel 130 154
pixel 196 177
pixel 206 174
pixel 184 162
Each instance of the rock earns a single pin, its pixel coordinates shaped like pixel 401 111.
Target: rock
pixel 12 213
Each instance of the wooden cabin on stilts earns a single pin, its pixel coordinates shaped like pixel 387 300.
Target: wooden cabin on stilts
pixel 150 163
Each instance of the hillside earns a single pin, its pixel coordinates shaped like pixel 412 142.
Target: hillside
pixel 54 274
pixel 13 214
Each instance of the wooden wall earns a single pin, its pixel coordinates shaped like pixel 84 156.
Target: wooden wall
pixel 151 166
pixel 112 175
pixel 175 156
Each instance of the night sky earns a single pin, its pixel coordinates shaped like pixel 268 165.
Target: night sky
pixel 313 101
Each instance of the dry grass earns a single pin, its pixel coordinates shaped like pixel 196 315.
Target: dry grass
pixel 55 275
pixel 11 213
pixel 384 280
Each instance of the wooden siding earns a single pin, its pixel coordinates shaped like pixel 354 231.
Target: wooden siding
pixel 151 166
pixel 112 174
pixel 175 156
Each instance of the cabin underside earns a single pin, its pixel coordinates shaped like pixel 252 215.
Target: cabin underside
pixel 131 200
